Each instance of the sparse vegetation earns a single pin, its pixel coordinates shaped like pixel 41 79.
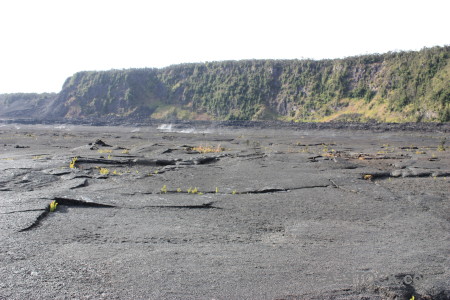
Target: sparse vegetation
pixel 208 149
pixel 52 206
pixel 368 177
pixel 37 157
pixel 104 151
pixel 441 146
pixel 72 163
pixel 104 171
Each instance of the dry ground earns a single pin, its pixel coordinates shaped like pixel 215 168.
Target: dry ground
pixel 223 214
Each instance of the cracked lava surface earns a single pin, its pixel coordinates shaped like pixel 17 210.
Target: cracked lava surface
pixel 223 213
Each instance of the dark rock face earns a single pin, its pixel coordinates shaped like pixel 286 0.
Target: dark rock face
pixel 21 105
pixel 95 94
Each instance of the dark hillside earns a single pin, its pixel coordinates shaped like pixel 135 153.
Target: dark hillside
pixel 24 105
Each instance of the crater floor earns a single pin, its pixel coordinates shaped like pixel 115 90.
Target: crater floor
pixel 223 213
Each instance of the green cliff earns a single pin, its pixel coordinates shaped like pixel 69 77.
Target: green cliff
pixel 391 87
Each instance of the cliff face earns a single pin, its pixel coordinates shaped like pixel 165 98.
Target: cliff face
pixel 404 86
pixel 24 105
pixel 95 94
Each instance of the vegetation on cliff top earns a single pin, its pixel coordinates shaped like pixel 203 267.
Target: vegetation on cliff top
pixel 391 87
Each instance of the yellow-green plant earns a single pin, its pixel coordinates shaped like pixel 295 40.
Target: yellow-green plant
pixel 234 192
pixel 208 149
pixel 178 190
pixel 104 171
pixel 104 151
pixel 217 190
pixel 72 163
pixel 53 206
pixel 126 151
pixel 441 146
pixel 164 189
pixel 195 191
pixel 368 176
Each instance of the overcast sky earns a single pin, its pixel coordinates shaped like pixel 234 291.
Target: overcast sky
pixel 44 42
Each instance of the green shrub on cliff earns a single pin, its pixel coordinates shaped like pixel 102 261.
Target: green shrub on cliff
pixel 396 86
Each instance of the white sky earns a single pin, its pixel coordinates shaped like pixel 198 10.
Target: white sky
pixel 44 42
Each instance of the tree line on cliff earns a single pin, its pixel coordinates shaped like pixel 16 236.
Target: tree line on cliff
pixel 395 86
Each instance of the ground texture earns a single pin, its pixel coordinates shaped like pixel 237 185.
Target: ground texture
pixel 223 213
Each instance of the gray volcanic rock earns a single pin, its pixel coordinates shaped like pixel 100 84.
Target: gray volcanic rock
pixel 274 214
